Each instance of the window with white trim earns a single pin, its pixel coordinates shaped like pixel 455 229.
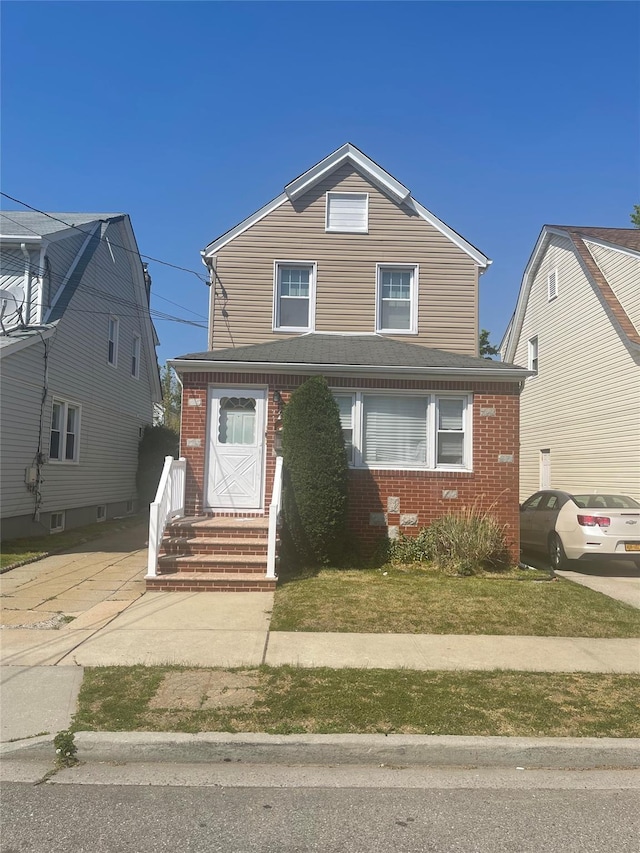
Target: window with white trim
pixel 347 213
pixel 112 348
pixel 396 298
pixel 404 431
pixel 552 285
pixel 294 296
pixel 135 357
pixel 64 439
pixel 532 358
pixel 56 522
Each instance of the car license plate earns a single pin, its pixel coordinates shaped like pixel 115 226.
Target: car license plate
pixel 632 546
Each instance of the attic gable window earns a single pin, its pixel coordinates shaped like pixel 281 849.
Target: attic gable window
pixel 294 296
pixel 347 213
pixel 552 285
pixel 532 357
pixel 112 348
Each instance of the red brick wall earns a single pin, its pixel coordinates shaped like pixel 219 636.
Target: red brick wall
pixel 492 485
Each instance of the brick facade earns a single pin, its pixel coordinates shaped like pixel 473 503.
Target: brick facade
pixel 382 499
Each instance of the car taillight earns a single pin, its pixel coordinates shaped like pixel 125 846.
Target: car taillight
pixel 594 521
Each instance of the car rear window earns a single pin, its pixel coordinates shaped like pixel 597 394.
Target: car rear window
pixel 605 502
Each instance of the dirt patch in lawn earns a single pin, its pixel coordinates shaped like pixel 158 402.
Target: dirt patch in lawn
pixel 200 689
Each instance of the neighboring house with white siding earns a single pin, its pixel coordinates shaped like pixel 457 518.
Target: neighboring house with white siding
pixel 78 368
pixel 577 324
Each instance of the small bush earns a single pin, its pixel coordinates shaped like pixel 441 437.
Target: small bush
pixel 316 473
pixel 463 543
pixel 156 443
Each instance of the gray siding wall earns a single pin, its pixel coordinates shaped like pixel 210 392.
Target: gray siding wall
pixel 346 270
pixel 583 404
pixel 114 405
pixel 61 254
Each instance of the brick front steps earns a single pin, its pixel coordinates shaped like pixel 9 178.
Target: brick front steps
pixel 214 554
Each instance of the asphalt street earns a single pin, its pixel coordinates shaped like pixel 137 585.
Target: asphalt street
pixel 585 817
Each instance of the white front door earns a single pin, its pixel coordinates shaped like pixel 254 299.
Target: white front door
pixel 236 448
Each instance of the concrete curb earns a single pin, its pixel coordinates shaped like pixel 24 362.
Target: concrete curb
pixel 341 749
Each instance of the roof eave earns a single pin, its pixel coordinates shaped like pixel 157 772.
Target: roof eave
pixel 189 365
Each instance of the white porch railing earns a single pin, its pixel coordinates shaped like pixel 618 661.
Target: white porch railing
pixel 274 512
pixel 169 503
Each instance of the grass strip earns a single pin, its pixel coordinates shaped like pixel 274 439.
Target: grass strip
pixel 19 551
pixel 421 601
pixel 290 700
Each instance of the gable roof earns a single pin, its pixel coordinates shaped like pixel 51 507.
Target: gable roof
pixel 28 224
pixel 348 153
pixel 624 238
pixel 349 354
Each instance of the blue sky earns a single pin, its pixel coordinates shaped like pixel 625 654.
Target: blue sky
pixel 499 116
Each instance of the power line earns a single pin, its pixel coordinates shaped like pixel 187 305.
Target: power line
pixel 124 248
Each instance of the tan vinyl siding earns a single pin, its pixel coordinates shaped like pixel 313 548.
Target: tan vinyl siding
pixel 346 270
pixel 583 405
pixel 622 271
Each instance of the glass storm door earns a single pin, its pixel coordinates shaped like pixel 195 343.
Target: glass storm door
pixel 236 448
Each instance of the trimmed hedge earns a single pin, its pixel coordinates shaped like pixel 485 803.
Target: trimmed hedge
pixel 316 474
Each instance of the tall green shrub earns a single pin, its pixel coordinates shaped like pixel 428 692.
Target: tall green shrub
pixel 156 443
pixel 316 473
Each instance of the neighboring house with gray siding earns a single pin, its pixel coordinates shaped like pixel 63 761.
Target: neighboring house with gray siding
pixel 78 367
pixel 577 325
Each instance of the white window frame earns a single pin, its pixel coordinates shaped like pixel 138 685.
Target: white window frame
pixel 533 357
pixel 413 306
pixel 59 527
pixel 286 264
pixel 112 342
pixel 136 349
pixel 431 428
pixel 335 230
pixel 552 291
pixel 62 444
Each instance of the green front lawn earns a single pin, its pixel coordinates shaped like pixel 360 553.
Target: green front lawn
pixel 291 700
pixel 423 601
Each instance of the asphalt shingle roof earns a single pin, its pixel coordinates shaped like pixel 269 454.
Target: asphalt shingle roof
pixel 345 350
pixel 26 222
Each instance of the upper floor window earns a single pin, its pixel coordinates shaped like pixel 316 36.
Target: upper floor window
pixel 135 357
pixel 294 296
pixel 397 298
pixel 552 285
pixel 112 350
pixel 348 212
pixel 532 360
pixel 65 432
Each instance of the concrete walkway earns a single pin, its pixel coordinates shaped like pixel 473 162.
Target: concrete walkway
pixel 617 582
pixel 115 624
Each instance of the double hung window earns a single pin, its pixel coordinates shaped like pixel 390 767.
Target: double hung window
pixel 294 296
pixel 532 358
pixel 65 432
pixel 386 430
pixel 396 299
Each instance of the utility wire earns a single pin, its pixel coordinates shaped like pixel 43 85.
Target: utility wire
pixel 124 248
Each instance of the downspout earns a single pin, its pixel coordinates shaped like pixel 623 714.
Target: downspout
pixel 27 284
pixel 210 264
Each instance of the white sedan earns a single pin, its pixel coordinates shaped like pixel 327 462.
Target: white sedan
pixel 580 527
